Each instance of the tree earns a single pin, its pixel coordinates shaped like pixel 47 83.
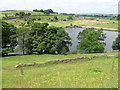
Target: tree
pixel 22 14
pixel 36 10
pixel 6 15
pixel 49 40
pixel 30 21
pixel 46 12
pixel 37 37
pixel 58 41
pixel 23 40
pixel 50 10
pixel 116 43
pixel 63 41
pixel 91 40
pixel 39 18
pixel 28 14
pixel 41 10
pixel 118 17
pixel 16 14
pixel 70 18
pixel 55 18
pixel 9 38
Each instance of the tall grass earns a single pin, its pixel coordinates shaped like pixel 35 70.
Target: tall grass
pixel 94 73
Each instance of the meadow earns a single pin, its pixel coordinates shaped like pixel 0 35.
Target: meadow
pixel 109 23
pixel 101 72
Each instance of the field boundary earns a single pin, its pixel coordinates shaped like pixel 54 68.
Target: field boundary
pixel 85 26
pixel 62 61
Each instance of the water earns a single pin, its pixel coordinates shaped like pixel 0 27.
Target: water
pixel 110 37
pixel 73 32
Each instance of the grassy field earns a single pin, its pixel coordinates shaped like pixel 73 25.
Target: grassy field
pixel 12 13
pixel 99 72
pixel 76 20
pixel 67 23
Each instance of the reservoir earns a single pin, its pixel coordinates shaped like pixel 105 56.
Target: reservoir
pixel 73 33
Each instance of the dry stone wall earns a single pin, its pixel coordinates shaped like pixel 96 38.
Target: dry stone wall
pixel 61 61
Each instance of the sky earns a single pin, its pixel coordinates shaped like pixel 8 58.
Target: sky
pixel 63 6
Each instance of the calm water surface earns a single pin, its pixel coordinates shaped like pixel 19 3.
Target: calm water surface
pixel 73 32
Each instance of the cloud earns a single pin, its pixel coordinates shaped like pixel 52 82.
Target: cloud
pixel 73 6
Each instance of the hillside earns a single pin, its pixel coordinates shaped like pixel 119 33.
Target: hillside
pixel 12 12
pixel 95 72
pixel 62 19
pixel 101 72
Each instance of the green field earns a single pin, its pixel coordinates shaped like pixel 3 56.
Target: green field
pixel 99 72
pixel 110 23
pixel 67 23
pixel 12 13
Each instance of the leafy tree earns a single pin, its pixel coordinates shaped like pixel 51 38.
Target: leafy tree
pixel 116 43
pixel 36 10
pixel 37 37
pixel 46 12
pixel 9 38
pixel 50 10
pixel 30 21
pixel 16 14
pixel 49 40
pixel 39 18
pixel 62 41
pixel 41 10
pixel 55 18
pixel 70 18
pixel 6 15
pixel 23 40
pixel 28 14
pixel 91 40
pixel 22 14
pixel 58 40
pixel 118 17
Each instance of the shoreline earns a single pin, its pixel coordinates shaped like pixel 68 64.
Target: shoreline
pixel 85 26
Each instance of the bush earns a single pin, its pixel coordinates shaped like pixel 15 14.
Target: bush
pixel 39 18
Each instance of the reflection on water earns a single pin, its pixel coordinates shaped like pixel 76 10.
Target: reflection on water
pixel 73 32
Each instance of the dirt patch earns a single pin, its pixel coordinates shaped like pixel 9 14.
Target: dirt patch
pixel 92 21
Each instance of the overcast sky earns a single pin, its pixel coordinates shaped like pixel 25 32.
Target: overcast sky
pixel 66 6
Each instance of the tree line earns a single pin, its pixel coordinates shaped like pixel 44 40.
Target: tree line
pixel 46 12
pixel 38 38
pixel 44 39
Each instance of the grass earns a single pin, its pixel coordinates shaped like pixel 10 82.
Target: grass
pixel 12 13
pixel 45 19
pixel 75 21
pixel 65 23
pixel 95 73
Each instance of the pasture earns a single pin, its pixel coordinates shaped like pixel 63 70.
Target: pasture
pixel 88 21
pixel 101 72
